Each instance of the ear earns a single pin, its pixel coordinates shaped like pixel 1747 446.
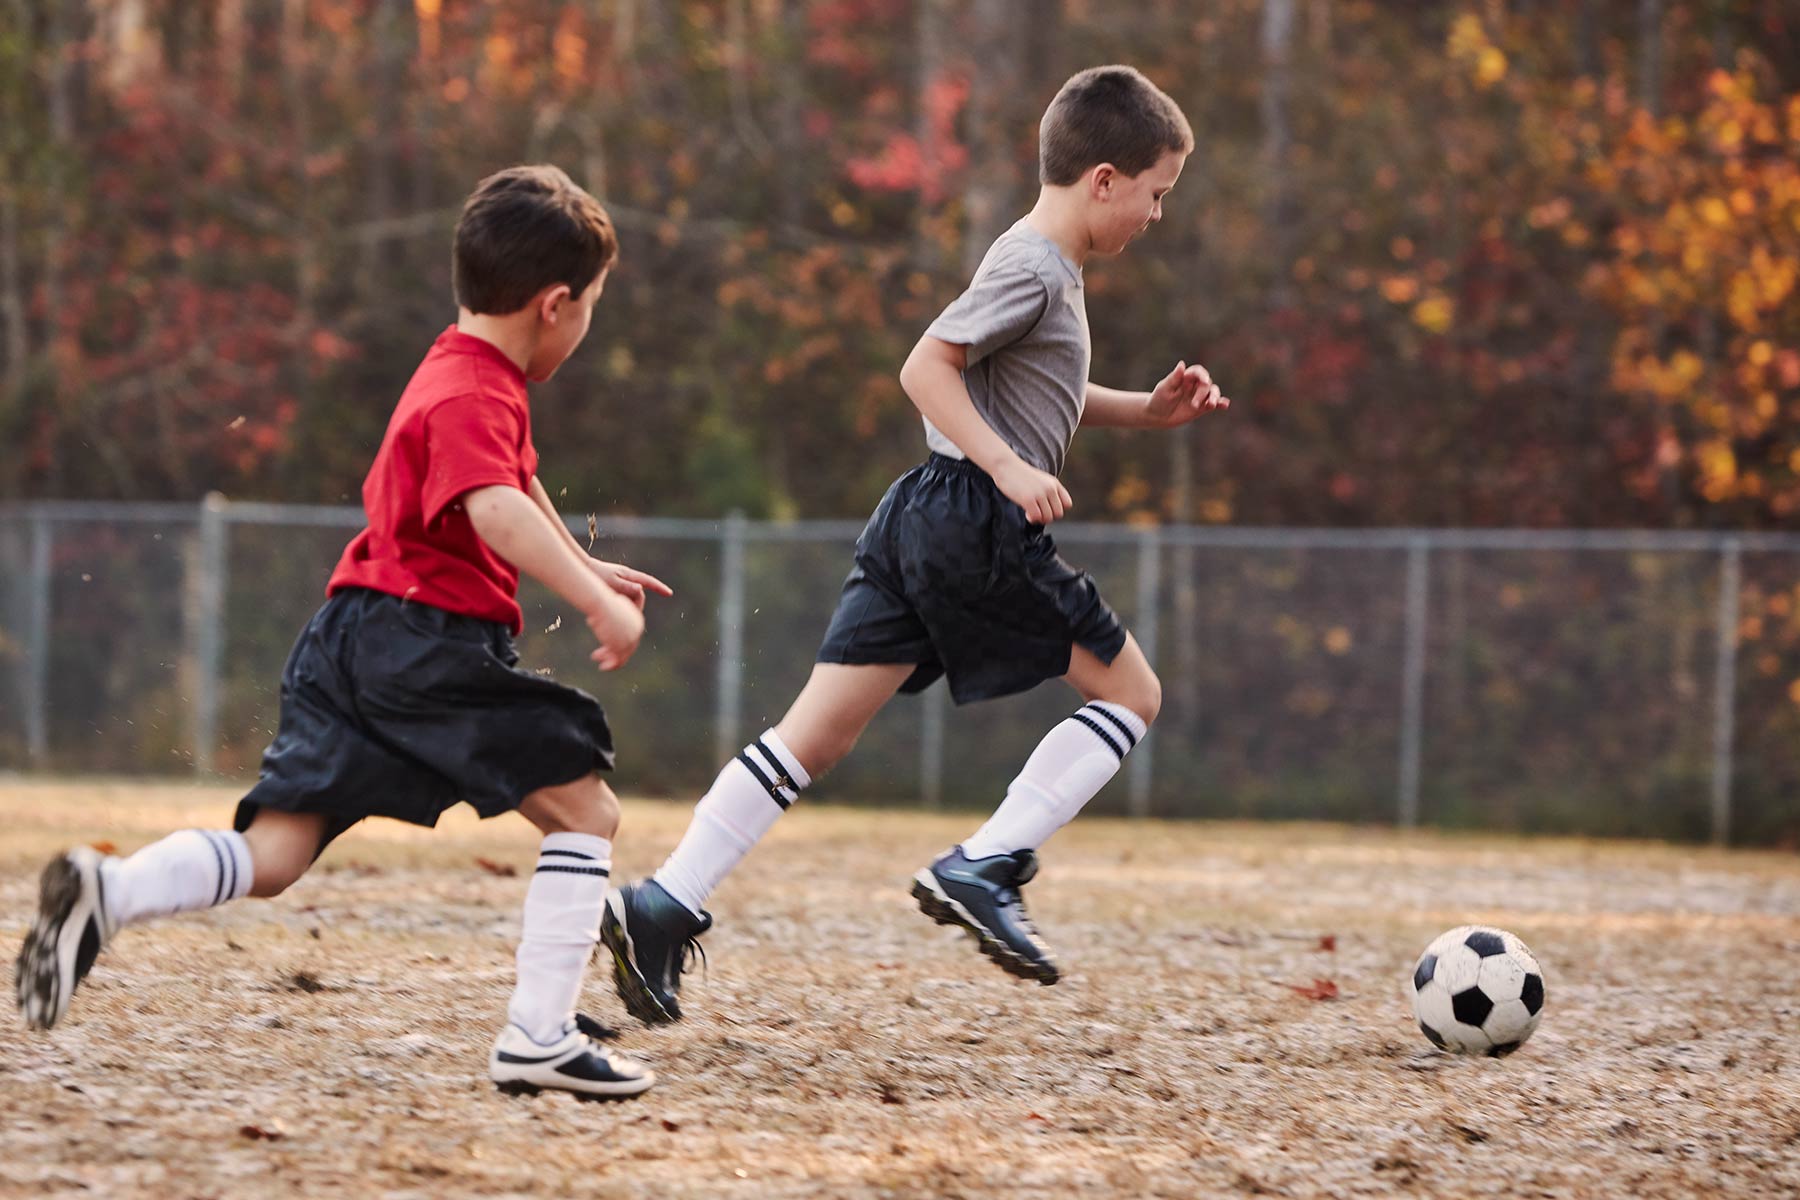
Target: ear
pixel 550 302
pixel 1102 180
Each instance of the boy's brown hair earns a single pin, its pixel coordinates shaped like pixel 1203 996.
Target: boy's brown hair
pixel 525 229
pixel 1108 115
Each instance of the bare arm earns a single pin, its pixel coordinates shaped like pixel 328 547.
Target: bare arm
pixel 932 379
pixel 516 528
pixel 1110 408
pixel 1178 398
pixel 542 496
pixel 629 582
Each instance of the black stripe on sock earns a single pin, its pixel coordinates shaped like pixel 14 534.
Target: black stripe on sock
pixel 219 855
pixel 603 872
pixel 1100 733
pixel 1123 727
pixel 567 854
pixel 225 845
pixel 782 778
pixel 774 792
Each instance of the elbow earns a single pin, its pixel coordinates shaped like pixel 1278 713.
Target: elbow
pixel 909 375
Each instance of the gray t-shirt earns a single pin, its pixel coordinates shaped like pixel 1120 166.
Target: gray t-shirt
pixel 1024 321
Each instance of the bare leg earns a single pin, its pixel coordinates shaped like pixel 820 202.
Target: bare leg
pixel 976 885
pixel 649 924
pixel 834 708
pixel 282 846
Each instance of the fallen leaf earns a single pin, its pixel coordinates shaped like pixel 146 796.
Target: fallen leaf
pixel 505 870
pixel 302 982
pixel 669 1125
pixel 104 847
pixel 257 1133
pixel 1319 989
pixel 1328 943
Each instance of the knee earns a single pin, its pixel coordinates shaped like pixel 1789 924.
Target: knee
pixel 1142 695
pixel 1149 704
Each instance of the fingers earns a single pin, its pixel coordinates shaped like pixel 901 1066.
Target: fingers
pixel 647 581
pixel 1052 505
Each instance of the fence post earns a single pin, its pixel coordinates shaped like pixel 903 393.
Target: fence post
pixel 728 716
pixel 932 705
pixel 1725 700
pixel 206 630
pixel 1149 597
pixel 37 643
pixel 1412 698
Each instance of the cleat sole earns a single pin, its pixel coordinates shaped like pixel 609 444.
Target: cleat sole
pixel 942 910
pixel 37 974
pixel 633 991
pixel 518 1087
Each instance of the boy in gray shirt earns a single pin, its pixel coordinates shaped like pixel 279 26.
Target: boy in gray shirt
pixel 956 574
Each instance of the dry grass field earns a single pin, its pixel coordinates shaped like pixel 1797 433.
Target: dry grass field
pixel 333 1041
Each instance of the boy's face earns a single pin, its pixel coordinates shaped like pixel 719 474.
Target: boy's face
pixel 1123 206
pixel 563 319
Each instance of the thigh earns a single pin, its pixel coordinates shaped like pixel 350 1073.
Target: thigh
pixel 834 707
pixel 1127 680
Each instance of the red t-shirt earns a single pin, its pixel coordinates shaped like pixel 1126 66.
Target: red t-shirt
pixel 462 423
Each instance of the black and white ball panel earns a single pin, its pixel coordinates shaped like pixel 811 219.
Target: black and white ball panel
pixel 1477 990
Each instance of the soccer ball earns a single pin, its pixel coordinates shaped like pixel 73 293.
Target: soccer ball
pixel 1477 990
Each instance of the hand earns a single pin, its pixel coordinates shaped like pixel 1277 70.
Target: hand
pixel 628 581
pixel 1182 395
pixel 1039 493
pixel 618 625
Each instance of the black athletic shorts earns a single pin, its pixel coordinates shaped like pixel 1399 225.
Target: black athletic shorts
pixel 951 576
pixel 399 709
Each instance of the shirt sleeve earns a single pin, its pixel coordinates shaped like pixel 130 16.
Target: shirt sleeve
pixel 470 442
pixel 1000 307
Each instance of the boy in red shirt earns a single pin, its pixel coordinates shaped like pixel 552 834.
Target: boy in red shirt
pixel 403 697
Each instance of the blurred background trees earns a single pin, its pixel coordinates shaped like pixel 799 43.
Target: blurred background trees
pixel 1526 263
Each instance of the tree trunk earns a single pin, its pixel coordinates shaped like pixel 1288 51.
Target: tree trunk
pixel 931 60
pixel 391 31
pixel 1650 55
pixel 1587 40
pixel 292 56
pixel 1277 50
pixel 994 84
pixel 790 104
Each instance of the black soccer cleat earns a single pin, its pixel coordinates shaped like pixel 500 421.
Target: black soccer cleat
pixel 70 930
pixel 653 938
pixel 521 1067
pixel 982 896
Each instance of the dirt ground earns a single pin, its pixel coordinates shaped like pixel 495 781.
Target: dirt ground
pixel 840 1045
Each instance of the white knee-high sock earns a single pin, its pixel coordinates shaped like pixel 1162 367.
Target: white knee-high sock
pixel 1069 766
pixel 753 790
pixel 192 869
pixel 562 922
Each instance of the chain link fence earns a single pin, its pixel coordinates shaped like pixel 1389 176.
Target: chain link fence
pixel 1594 683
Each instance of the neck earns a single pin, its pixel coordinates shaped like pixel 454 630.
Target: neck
pixel 1058 218
pixel 513 334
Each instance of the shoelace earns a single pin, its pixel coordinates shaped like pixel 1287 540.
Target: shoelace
pixel 593 1029
pixel 690 950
